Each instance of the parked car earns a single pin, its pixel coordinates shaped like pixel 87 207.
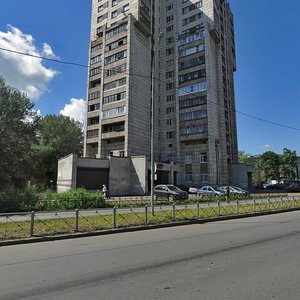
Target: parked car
pixel 293 188
pixel 210 191
pixel 234 190
pixel 169 191
pixel 193 190
pixel 183 188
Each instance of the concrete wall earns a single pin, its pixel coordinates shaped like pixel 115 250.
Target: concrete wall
pixel 66 175
pixel 240 175
pixel 139 175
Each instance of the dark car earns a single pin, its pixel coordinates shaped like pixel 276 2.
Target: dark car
pixel 170 192
pixel 293 188
pixel 183 187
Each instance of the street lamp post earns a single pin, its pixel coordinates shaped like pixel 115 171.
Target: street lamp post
pixel 152 117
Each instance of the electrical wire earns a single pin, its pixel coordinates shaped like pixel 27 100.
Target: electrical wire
pixel 146 76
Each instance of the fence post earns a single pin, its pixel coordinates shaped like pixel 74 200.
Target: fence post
pixel 269 204
pixel 198 210
pixel 219 208
pixel 173 213
pixel 294 202
pixel 32 223
pixel 146 214
pixel 76 220
pixel 254 208
pixel 237 207
pixel 114 217
pixel 281 200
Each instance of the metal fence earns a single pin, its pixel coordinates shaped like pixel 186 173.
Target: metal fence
pixel 36 224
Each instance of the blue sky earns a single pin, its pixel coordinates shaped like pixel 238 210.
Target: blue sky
pixel 267 81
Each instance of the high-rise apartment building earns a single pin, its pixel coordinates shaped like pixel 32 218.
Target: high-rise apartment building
pixel 194 106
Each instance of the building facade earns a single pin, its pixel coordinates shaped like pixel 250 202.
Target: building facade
pixel 189 47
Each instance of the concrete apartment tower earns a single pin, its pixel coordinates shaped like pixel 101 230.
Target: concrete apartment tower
pixel 194 103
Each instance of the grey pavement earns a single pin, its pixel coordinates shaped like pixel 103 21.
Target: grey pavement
pixel 252 258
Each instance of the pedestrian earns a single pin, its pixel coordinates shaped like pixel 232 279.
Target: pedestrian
pixel 227 194
pixel 104 191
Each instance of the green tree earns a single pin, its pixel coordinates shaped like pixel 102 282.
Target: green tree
pixel 288 164
pixel 58 137
pixel 244 158
pixel 270 163
pixel 18 126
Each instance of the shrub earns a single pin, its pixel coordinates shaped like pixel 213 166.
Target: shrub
pixel 73 199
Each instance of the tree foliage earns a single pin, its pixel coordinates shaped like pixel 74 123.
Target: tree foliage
pixel 288 164
pixel 30 145
pixel 18 125
pixel 58 137
pixel 270 164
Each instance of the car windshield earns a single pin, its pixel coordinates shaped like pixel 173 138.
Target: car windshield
pixel 238 189
pixel 173 188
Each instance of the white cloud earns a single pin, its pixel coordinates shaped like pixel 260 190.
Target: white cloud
pixel 75 110
pixel 266 146
pixel 48 52
pixel 25 73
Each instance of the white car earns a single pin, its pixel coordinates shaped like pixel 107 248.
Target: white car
pixel 193 190
pixel 209 191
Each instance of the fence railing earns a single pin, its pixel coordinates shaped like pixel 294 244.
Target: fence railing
pixel 36 224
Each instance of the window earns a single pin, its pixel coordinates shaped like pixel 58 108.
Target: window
pixel 114 112
pixel 191 38
pixel 170 134
pixel 170 98
pixel 189 177
pixel 93 133
pixel 126 7
pixel 94 107
pixel 191 63
pixel 194 115
pixel 191 50
pixel 94 95
pixel 115 57
pixel 114 98
pixel 115 70
pixel 114 14
pixel 193 129
pixel 114 2
pixel 170 109
pixel 195 101
pixel 170 86
pixel 192 76
pixel 96 59
pixel 116 44
pixel 188 159
pixel 114 84
pixel 112 32
pixel 95 71
pixel 96 48
pixel 194 88
pixel 203 157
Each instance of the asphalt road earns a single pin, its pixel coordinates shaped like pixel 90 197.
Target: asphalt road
pixel 253 258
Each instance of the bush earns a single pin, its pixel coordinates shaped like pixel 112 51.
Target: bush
pixel 73 199
pixel 9 201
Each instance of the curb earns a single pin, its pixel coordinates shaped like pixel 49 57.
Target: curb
pixel 138 228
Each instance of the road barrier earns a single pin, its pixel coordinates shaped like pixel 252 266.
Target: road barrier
pixel 38 224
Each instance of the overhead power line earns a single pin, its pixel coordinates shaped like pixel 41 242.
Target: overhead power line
pixel 146 76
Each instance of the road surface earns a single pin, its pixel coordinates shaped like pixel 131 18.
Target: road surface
pixel 252 258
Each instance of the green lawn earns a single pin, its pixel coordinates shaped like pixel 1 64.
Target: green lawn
pixel 17 230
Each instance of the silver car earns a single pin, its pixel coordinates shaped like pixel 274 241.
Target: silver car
pixel 209 191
